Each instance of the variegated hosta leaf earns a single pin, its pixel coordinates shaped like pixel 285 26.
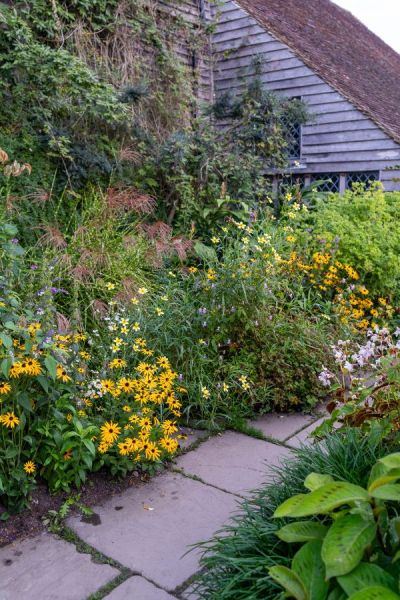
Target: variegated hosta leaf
pixel 308 565
pixel 322 501
pixel 366 575
pixel 345 543
pixel 313 481
pixel 375 593
pixel 382 476
pixel 390 491
pixel 302 531
pixel 290 581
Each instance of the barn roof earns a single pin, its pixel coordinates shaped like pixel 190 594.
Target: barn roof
pixel 341 50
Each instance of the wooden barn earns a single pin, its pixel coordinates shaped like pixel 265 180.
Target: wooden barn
pixel 321 53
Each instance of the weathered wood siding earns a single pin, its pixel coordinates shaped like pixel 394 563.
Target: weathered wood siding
pixel 195 54
pixel 340 138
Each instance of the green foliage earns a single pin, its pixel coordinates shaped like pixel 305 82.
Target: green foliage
pixel 360 544
pixel 211 171
pixel 362 228
pixel 236 562
pixel 242 335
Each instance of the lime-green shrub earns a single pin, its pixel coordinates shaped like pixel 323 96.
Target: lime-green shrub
pixel 362 228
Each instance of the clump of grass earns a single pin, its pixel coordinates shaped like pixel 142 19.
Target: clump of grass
pixel 236 561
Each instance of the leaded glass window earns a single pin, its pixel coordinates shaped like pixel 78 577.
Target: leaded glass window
pixel 327 182
pixel 365 177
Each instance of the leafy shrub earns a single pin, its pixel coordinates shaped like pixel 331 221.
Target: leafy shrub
pixel 353 553
pixel 361 229
pixel 236 561
pixel 241 333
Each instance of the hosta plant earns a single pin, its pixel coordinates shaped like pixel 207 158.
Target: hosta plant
pixel 349 537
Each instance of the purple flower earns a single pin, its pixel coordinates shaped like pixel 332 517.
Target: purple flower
pixel 34 267
pixel 15 241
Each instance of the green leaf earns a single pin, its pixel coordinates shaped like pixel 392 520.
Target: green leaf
pixel 25 402
pixel 345 543
pixel 308 565
pixel 366 575
pixel 204 252
pixel 321 501
pixel 6 366
pixel 7 340
pixel 290 581
pixel 315 480
pixel 51 365
pixel 390 491
pixel 303 531
pixel 375 592
pixel 391 461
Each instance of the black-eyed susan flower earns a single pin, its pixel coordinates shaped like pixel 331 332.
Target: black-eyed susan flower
pixel 127 385
pixel 62 374
pixel 117 363
pixel 29 467
pixel 33 367
pixel 109 432
pixel 9 419
pixel 5 388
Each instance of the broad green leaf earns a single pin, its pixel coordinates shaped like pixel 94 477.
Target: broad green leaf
pixel 290 581
pixel 315 480
pixel 7 340
pixel 303 531
pixel 387 477
pixel 51 365
pixel 6 366
pixel 390 491
pixel 345 543
pixel 25 402
pixel 377 471
pixel 366 575
pixel 206 253
pixel 375 592
pixel 322 501
pixel 391 461
pixel 308 565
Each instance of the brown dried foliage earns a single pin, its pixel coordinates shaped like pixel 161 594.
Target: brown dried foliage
pixel 122 199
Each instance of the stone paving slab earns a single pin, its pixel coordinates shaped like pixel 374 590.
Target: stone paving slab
pixel 137 588
pixel 281 426
pixel 304 436
pixel 193 435
pixel 153 542
pixel 232 461
pixel 47 568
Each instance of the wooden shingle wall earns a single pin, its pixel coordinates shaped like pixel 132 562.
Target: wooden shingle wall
pixel 340 138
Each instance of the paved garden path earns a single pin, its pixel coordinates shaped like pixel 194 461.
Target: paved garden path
pixel 135 545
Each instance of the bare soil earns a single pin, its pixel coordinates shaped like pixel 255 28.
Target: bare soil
pixel 98 488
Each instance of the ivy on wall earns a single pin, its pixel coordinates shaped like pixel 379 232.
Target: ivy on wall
pixel 81 79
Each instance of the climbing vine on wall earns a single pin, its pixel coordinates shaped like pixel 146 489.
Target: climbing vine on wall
pixel 80 79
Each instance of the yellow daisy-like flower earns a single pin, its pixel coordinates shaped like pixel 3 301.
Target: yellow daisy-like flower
pixel 62 374
pixel 159 312
pixel 110 286
pixel 124 447
pixel 16 370
pixel 134 301
pixel 107 385
pixel 142 291
pixel 5 387
pixel 150 450
pixel 126 385
pixel 33 328
pixel 117 363
pixel 124 330
pixel 85 355
pixel 163 362
pixel 193 270
pixel 33 367
pixel 145 424
pixel 127 408
pixel 205 392
pixel 9 419
pixel 29 467
pixel 169 427
pixel 109 432
pixel 103 447
pixel 136 326
pixel 169 445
